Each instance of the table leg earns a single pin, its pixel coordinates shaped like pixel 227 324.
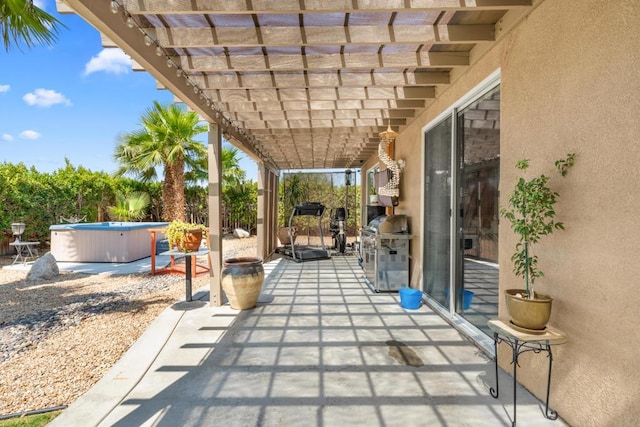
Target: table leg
pixel 549 413
pixel 188 277
pixel 515 380
pixel 153 252
pixel 19 256
pixel 495 392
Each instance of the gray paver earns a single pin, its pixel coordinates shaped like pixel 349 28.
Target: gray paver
pixel 314 355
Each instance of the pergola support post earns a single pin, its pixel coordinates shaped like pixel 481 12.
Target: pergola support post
pixel 214 148
pixel 267 211
pixel 275 184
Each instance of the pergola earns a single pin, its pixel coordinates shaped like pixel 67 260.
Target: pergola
pixel 300 84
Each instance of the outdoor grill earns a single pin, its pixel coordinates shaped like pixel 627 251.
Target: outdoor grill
pixel 385 252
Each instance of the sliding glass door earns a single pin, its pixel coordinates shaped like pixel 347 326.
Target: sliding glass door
pixel 437 214
pixel 461 199
pixel 478 153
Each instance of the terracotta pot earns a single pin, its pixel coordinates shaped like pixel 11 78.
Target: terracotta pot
pixel 242 279
pixel 525 313
pixel 283 235
pixel 192 240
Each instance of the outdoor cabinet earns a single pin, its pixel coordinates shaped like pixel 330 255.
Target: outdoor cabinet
pixel 385 260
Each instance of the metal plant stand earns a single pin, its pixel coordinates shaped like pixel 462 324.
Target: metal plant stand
pixel 522 342
pixel 188 272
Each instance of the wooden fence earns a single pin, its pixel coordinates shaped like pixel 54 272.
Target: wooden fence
pixel 244 218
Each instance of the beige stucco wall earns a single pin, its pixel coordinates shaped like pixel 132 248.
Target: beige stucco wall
pixel 570 82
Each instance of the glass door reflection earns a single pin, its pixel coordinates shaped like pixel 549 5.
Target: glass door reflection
pixel 478 150
pixel 437 214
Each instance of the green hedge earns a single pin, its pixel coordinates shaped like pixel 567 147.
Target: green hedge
pixel 41 199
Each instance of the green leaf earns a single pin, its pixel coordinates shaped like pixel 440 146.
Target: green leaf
pixel 530 211
pixel 21 22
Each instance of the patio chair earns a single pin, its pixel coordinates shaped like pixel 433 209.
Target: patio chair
pixel 73 219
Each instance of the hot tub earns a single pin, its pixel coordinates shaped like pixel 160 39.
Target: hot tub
pixel 102 241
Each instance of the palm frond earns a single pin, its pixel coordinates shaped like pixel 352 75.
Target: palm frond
pixel 21 22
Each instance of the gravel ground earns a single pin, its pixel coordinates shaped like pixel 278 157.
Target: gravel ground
pixel 59 337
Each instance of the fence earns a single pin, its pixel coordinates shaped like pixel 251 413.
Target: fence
pixel 328 188
pixel 245 217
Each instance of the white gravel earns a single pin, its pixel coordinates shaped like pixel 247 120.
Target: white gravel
pixel 59 337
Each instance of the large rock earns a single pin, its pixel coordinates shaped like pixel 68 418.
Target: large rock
pixel 45 267
pixel 240 233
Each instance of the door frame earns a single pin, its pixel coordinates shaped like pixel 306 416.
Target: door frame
pixel 489 83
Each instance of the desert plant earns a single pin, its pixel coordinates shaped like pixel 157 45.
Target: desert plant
pixel 131 207
pixel 531 213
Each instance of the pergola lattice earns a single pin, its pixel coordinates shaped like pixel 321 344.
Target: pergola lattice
pixel 303 84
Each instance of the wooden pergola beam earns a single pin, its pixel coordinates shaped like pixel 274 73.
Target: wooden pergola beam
pixel 330 62
pixel 329 114
pixel 321 94
pixel 320 36
pixel 338 106
pixel 331 79
pixel 312 6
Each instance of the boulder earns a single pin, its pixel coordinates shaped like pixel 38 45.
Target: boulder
pixel 240 233
pixel 44 267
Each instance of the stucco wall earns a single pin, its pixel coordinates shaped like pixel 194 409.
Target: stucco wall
pixel 570 83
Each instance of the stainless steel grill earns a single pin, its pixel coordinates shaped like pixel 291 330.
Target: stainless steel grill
pixel 385 252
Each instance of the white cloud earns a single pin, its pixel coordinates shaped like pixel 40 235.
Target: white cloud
pixel 4 88
pixel 45 98
pixel 7 137
pixel 40 4
pixel 109 60
pixel 29 134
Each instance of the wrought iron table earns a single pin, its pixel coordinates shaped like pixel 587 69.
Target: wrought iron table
pixel 521 342
pixel 24 250
pixel 187 266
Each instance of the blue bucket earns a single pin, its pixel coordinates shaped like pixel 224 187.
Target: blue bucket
pixel 466 299
pixel 410 298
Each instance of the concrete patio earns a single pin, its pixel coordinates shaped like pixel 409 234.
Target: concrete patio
pixel 320 349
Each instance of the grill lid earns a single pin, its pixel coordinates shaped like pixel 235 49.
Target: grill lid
pixel 389 224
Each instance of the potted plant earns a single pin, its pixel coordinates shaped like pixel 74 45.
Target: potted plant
pixel 531 213
pixel 184 235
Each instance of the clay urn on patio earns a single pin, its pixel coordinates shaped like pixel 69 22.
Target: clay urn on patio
pixel 242 279
pixel 285 237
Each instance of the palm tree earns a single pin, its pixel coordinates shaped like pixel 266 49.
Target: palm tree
pixel 232 173
pixel 166 140
pixel 22 21
pixel 129 207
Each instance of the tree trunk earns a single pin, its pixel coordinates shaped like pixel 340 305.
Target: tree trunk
pixel 173 191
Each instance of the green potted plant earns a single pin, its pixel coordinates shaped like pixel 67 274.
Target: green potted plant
pixel 531 213
pixel 185 236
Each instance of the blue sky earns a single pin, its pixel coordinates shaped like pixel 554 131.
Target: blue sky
pixel 72 100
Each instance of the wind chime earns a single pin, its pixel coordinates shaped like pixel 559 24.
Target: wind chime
pixel 390 189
